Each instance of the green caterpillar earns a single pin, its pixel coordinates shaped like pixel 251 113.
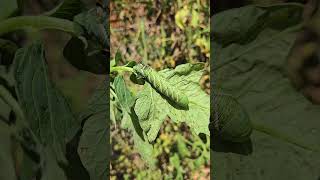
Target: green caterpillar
pixel 230 121
pixel 161 85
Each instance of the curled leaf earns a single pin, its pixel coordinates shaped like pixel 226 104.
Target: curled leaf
pixel 91 44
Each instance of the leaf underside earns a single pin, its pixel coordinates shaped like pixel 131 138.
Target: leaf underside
pixel 249 57
pixel 94 145
pixel 47 112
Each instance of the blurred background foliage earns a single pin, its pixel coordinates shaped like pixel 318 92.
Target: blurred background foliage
pixel 162 34
pixel 76 85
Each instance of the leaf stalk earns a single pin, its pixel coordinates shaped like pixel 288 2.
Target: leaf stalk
pixel 36 22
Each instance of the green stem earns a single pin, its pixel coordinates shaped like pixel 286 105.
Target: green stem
pixel 120 69
pixel 114 94
pixel 36 22
pixel 52 11
pixel 279 135
pixel 6 96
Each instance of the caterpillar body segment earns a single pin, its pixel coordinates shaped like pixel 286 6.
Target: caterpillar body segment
pixel 231 121
pixel 161 85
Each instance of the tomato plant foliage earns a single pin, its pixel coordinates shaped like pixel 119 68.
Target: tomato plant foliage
pixel 145 113
pixel 251 45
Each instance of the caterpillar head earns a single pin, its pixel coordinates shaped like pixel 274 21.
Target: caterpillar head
pixel 139 70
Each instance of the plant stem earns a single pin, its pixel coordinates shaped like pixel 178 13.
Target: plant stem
pixel 120 68
pixel 6 96
pixel 36 22
pixel 21 124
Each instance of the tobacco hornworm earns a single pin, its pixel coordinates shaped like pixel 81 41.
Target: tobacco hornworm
pixel 230 120
pixel 159 83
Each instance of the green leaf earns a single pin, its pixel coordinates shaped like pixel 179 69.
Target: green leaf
pixel 51 170
pixel 67 9
pixel 7 8
pixel 46 110
pixel 90 24
pixel 34 158
pixel 227 27
pixel 30 158
pixel 15 161
pixel 252 71
pixel 7 163
pixel 94 143
pixel 152 109
pixel 145 149
pixel 125 97
pixel 28 167
pixel 141 145
pixel 131 122
pixel 91 44
pixel 5 110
